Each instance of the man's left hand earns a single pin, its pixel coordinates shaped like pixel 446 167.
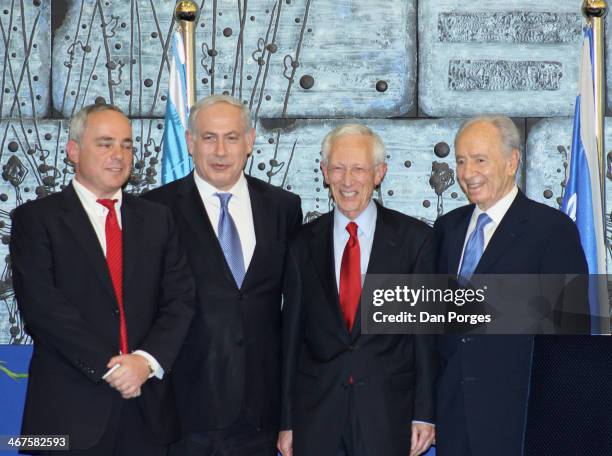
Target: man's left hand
pixel 132 372
pixel 423 436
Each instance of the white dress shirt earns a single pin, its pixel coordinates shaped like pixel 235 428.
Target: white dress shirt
pixel 366 225
pixel 239 208
pixel 496 213
pixel 97 216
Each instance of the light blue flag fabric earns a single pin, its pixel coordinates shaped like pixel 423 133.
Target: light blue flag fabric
pixel 582 198
pixel 176 161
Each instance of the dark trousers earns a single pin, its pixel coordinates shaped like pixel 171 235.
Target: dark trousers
pixel 126 435
pixel 241 439
pixel 351 442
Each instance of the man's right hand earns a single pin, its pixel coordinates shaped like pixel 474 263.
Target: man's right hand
pixel 285 443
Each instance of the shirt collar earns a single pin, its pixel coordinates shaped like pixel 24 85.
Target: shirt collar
pixel 366 221
pixel 87 197
pixel 207 191
pixel 499 209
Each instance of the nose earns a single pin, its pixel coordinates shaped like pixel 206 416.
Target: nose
pixel 220 148
pixel 347 177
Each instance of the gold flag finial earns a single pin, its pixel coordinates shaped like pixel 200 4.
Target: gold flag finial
pixel 186 10
pixel 594 8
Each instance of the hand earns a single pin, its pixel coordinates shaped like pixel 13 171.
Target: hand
pixel 423 435
pixel 285 443
pixel 132 372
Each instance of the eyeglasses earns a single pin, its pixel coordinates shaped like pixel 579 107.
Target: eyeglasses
pixel 358 172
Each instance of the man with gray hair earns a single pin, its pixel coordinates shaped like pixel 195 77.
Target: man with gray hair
pixel 484 380
pixel 346 393
pixel 234 229
pixel 107 296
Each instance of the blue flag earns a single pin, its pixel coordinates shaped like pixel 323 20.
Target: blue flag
pixel 582 199
pixel 176 161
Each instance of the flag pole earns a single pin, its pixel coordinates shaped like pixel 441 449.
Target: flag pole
pixel 595 12
pixel 186 12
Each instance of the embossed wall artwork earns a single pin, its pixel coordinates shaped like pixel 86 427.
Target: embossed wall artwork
pixel 517 57
pixel 284 58
pixel 302 67
pixel 548 147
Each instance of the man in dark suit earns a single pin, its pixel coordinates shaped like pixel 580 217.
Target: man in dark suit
pixel 344 392
pixel 484 380
pixel 234 229
pixel 105 330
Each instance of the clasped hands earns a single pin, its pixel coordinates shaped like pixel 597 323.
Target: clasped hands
pixel 128 377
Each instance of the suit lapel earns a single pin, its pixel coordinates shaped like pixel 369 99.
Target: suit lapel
pixel 132 235
pixel 263 223
pixel 77 222
pixel 384 245
pixel 456 240
pixel 194 211
pixel 322 252
pixel 511 228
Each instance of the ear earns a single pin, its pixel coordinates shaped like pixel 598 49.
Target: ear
pixel 73 151
pixel 514 162
pixel 323 167
pixel 190 142
pixel 250 138
pixel 379 173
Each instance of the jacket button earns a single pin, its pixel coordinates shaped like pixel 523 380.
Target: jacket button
pixel 240 296
pixel 116 312
pixel 352 347
pixel 240 342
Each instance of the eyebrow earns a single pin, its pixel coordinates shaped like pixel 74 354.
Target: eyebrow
pixel 110 138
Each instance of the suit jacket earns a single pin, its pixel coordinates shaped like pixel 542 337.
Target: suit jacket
pixel 65 294
pixel 484 380
pixel 230 362
pixel 393 374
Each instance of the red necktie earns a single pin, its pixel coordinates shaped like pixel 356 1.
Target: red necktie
pixel 114 259
pixel 350 277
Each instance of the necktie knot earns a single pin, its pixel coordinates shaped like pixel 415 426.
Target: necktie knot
pixel 482 221
pixel 107 203
pixel 224 199
pixel 352 227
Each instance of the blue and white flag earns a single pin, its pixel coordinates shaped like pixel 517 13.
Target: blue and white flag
pixel 582 199
pixel 176 161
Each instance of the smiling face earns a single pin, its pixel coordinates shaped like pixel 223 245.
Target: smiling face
pixel 351 173
pixel 103 155
pixel 485 172
pixel 221 146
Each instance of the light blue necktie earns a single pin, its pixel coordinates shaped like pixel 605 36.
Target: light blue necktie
pixel 473 249
pixel 230 240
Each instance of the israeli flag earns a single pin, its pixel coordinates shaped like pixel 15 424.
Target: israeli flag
pixel 176 161
pixel 582 199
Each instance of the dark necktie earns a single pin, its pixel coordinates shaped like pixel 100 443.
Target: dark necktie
pixel 114 260
pixel 230 240
pixel 350 277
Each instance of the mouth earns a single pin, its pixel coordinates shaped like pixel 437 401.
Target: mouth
pixel 115 169
pixel 219 166
pixel 348 194
pixel 472 187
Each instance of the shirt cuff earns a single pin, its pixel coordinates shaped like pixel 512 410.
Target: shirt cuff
pixel 423 422
pixel 158 371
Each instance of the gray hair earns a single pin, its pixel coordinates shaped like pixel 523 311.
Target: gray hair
pixel 509 134
pixel 214 99
pixel 378 147
pixel 78 122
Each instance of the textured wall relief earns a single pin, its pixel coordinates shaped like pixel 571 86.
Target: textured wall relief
pixel 25 54
pixel 548 146
pixel 489 75
pixel 479 57
pixel 284 58
pixel 509 27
